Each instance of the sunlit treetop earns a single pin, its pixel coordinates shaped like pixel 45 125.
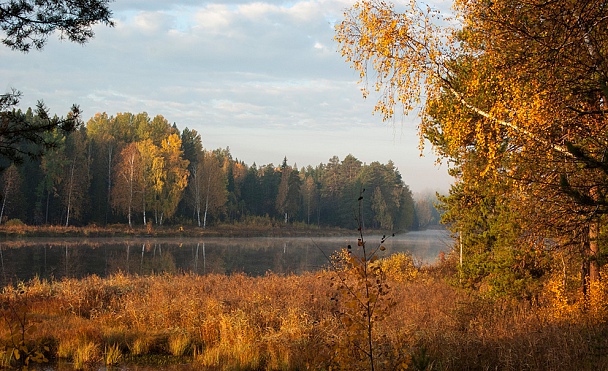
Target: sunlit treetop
pixel 526 75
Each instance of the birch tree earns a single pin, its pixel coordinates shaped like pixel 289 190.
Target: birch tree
pixel 147 179
pixel 127 173
pixel 209 191
pixel 519 84
pixel 310 194
pixel 175 178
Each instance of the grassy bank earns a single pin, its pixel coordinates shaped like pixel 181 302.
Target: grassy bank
pixel 269 229
pixel 274 322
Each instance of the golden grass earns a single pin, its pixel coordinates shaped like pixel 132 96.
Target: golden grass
pixel 179 343
pixel 141 345
pixel 290 322
pixel 85 355
pixel 112 355
pixel 256 226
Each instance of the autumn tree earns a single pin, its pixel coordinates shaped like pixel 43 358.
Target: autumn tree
pixel 108 136
pixel 127 173
pixel 175 177
pixel 521 84
pixel 156 129
pixel 150 169
pixel 163 176
pixel 208 187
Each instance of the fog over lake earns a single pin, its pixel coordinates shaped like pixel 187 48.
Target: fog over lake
pixel 47 258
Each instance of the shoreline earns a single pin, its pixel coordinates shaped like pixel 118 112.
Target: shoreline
pixel 11 232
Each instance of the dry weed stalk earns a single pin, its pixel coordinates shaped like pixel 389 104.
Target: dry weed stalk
pixel 362 302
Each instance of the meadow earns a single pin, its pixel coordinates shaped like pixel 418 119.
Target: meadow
pixel 421 320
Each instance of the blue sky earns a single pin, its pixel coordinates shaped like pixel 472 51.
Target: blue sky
pixel 263 78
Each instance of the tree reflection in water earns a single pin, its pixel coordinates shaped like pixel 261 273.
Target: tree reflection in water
pixel 79 257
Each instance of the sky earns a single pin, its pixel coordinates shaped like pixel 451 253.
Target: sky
pixel 263 78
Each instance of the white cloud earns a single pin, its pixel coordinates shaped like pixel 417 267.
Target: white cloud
pixel 319 46
pixel 232 70
pixel 151 22
pixel 214 18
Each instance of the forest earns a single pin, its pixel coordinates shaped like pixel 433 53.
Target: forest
pixel 510 94
pixel 136 169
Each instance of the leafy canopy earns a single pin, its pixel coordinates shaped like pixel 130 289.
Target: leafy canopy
pixel 512 93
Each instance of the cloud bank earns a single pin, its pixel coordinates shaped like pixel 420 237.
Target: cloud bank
pixel 262 77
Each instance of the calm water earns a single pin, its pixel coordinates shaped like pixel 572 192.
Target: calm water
pixel 78 257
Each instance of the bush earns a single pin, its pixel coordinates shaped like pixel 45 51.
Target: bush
pixel 399 267
pixel 14 223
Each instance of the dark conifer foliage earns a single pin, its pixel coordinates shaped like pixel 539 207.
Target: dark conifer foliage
pixel 28 23
pixel 16 131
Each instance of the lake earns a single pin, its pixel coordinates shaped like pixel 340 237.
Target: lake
pixel 46 258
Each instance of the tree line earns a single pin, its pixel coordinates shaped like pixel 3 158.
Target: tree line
pixel 136 169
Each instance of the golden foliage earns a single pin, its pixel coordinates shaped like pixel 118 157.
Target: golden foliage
pixel 565 301
pixel 514 96
pixel 399 267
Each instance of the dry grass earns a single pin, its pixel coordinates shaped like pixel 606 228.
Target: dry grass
pixel 179 344
pixel 86 355
pixel 289 322
pixel 255 226
pixel 141 345
pixel 112 355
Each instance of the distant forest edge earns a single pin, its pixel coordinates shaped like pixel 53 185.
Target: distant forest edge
pixel 138 170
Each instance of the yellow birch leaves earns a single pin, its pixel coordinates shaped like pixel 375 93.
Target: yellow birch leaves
pixel 154 175
pixel 397 49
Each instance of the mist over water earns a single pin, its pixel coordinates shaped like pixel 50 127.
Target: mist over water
pixel 78 257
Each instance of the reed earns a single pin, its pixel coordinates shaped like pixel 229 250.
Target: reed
pixel 112 355
pixel 86 354
pixel 290 322
pixel 140 345
pixel 179 343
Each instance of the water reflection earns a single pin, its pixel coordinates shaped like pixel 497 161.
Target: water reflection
pixel 76 257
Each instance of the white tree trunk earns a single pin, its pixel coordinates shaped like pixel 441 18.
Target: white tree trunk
pixel 207 201
pixel 110 182
pixel 67 218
